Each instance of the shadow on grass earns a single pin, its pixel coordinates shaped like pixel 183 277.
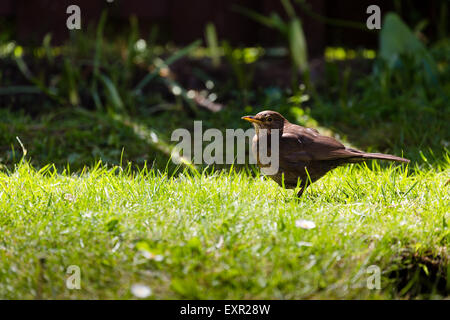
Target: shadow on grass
pixel 420 275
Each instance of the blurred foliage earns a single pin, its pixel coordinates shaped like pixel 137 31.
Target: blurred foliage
pixel 404 103
pixel 292 31
pixel 117 100
pixel 120 98
pixel 398 43
pixel 213 44
pixel 91 72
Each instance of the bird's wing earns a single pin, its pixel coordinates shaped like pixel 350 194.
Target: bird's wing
pixel 304 144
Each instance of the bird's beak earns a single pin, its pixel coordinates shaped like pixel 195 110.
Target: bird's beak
pixel 251 119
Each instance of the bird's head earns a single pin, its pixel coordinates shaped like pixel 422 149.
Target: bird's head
pixel 266 120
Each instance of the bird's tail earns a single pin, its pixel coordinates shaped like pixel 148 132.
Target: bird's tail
pixel 362 156
pixel 383 156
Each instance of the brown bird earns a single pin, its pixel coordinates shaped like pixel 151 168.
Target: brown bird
pixel 304 155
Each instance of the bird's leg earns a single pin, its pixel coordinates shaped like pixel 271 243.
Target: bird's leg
pixel 303 187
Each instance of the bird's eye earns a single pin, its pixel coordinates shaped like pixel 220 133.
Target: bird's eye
pixel 269 119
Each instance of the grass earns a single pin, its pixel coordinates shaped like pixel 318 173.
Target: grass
pixel 96 103
pixel 224 234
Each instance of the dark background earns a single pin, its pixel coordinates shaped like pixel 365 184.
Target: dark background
pixel 62 92
pixel 182 21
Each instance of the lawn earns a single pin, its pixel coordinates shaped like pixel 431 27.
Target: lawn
pixel 224 235
pixel 86 181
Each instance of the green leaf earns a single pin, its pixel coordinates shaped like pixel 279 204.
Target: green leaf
pixel 113 94
pixel 289 8
pixel 177 55
pixel 213 45
pixel 143 246
pixel 194 243
pixel 297 44
pixel 98 59
pixel 262 19
pixel 19 90
pixel 396 39
pixel 112 225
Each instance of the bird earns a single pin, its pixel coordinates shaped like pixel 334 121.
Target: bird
pixel 304 154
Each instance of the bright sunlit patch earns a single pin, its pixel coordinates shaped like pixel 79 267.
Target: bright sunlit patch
pixel 154 136
pixel 304 244
pixel 212 97
pixel 248 55
pixel 209 84
pixel 7 49
pixel 18 51
pixel 369 54
pixel 338 53
pixel 141 290
pixel 69 197
pixel 141 45
pixel 151 256
pixel 191 94
pixel 305 224
pixel 39 53
pixel 176 90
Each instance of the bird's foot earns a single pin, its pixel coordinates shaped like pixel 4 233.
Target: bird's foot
pixel 300 192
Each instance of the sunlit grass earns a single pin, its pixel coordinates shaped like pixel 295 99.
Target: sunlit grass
pixel 223 234
pixel 338 53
